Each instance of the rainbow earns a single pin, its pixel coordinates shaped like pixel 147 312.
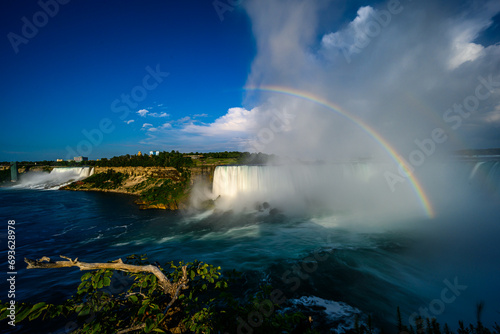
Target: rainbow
pixel 417 187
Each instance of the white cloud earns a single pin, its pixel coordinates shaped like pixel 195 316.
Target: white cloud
pixel 237 120
pixel 147 125
pixel 163 114
pixel 228 132
pixel 164 126
pixel 354 36
pixel 365 28
pixel 464 52
pixel 399 82
pixel 463 33
pixel 143 112
pixel 185 119
pixel 399 79
pixel 129 121
pixel 493 116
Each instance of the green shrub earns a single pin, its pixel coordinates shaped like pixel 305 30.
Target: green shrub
pixel 4 175
pixel 144 184
pixel 167 192
pixel 205 306
pixel 108 180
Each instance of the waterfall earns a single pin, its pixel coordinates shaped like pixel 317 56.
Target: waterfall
pixel 236 180
pixel 349 187
pixel 80 172
pixel 486 174
pixel 343 186
pixel 58 177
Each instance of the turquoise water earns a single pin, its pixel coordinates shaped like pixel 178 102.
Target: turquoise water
pixel 370 263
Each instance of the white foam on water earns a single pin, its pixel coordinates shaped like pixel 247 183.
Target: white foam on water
pixel 54 180
pixel 341 316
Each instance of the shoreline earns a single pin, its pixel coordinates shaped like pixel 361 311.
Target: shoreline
pixel 137 201
pixel 162 188
pixel 155 187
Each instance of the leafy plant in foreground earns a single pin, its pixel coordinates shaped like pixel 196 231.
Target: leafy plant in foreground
pixel 108 301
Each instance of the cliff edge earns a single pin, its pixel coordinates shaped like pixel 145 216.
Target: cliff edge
pixel 156 187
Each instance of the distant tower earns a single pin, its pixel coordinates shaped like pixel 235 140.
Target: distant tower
pixel 13 171
pixel 139 154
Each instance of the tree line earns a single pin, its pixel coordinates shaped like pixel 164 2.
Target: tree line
pixel 163 159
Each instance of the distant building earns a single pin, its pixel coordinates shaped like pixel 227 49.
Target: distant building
pixel 151 153
pixel 139 154
pixel 80 159
pixel 59 160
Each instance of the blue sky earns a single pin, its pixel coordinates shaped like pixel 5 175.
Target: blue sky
pixel 66 77
pixel 70 76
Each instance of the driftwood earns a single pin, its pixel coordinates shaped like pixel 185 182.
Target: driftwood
pixel 171 288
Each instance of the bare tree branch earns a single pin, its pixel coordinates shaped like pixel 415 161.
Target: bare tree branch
pixel 168 287
pixel 131 329
pixel 178 289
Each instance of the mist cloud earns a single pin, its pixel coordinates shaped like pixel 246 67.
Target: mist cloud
pixel 396 66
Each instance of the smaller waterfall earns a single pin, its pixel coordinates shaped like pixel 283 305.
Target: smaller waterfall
pixel 57 178
pixel 486 174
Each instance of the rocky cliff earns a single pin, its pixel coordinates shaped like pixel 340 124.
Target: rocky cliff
pixel 155 187
pixel 22 169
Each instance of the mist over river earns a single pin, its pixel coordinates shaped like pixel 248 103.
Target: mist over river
pixel 369 260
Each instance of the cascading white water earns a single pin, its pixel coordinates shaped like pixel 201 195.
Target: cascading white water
pixel 232 181
pixel 354 187
pixel 348 186
pixel 57 178
pixel 486 174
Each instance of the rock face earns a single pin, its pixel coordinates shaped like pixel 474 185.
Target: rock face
pixel 35 169
pixel 161 206
pixel 204 172
pixel 155 172
pixel 156 187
